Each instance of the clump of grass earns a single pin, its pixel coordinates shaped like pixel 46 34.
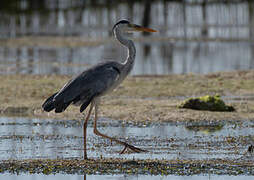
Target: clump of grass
pixel 209 103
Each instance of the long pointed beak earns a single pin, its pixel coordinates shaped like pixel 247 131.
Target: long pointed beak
pixel 140 28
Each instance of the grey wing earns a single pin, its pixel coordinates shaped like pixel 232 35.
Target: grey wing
pixel 87 85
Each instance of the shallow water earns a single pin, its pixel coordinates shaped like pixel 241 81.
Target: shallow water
pixel 193 36
pixel 24 138
pixel 152 58
pixel 120 177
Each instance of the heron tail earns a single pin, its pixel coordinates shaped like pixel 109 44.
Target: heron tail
pixel 86 103
pixel 60 107
pixel 49 104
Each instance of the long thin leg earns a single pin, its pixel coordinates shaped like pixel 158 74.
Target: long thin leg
pixel 84 129
pixel 133 148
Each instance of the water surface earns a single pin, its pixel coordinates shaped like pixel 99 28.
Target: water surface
pixel 25 138
pixel 194 36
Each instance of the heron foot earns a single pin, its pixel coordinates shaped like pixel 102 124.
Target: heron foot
pixel 133 148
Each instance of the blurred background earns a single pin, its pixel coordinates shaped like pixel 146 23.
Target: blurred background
pixel 68 36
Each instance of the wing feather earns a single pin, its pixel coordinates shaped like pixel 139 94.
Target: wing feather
pixel 89 84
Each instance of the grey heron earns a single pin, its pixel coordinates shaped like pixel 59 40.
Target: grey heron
pixel 91 84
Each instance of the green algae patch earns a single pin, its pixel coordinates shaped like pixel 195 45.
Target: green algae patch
pixel 208 103
pixel 123 166
pixel 207 129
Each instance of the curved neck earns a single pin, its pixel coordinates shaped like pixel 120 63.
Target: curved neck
pixel 131 53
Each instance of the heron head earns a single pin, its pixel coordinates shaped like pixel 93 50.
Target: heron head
pixel 128 27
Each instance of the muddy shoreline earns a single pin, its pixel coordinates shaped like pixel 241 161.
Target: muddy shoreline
pixel 139 98
pixel 123 166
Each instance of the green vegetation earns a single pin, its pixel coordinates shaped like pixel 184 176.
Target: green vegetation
pixel 210 103
pixel 205 128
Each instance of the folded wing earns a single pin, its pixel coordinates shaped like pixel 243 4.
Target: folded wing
pixel 84 88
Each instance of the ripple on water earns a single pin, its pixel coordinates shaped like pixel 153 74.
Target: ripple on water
pixel 23 138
